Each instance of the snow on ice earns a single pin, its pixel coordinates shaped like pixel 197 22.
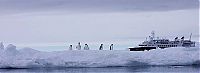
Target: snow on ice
pixel 10 57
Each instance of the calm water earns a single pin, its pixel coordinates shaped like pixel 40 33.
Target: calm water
pixel 142 69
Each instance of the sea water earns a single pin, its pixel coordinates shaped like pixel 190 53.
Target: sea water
pixel 138 69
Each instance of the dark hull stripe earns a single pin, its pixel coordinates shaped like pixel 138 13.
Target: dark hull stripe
pixel 141 48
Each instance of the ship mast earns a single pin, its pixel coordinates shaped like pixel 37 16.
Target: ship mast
pixel 190 36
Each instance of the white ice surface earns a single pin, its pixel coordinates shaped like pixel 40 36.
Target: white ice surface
pixel 1 46
pixel 30 58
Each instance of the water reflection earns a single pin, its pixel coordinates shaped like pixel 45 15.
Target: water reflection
pixel 151 69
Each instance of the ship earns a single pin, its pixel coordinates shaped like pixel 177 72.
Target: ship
pixel 156 43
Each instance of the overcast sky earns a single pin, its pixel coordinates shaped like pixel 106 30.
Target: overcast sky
pixel 35 21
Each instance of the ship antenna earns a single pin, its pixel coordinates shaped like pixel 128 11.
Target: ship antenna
pixel 153 34
pixel 190 36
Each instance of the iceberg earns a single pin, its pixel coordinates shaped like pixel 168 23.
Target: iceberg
pixel 11 50
pixel 30 58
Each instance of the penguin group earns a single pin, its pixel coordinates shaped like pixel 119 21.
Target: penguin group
pixel 86 47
